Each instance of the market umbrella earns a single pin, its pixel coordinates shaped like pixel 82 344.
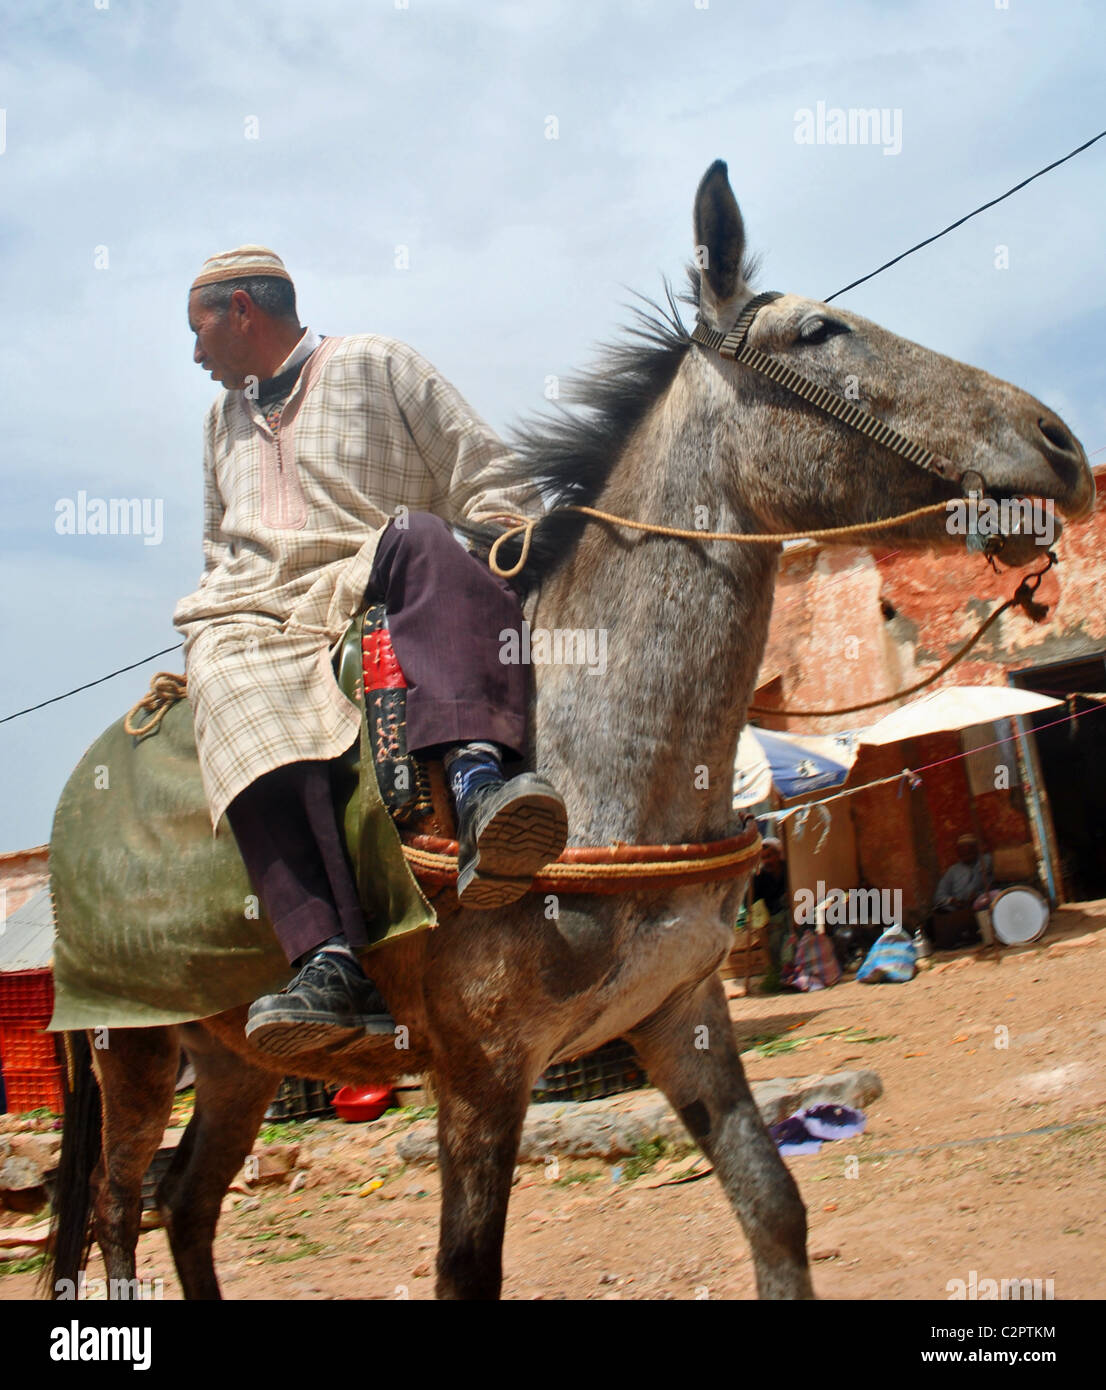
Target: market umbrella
pixel 792 763
pixel 955 707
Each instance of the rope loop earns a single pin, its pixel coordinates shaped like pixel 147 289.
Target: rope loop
pixel 166 689
pixel 526 526
pixel 1021 598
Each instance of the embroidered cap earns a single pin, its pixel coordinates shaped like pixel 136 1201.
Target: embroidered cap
pixel 240 263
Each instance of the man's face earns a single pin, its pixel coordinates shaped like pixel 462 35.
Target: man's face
pixel 969 853
pixel 223 343
pixel 770 858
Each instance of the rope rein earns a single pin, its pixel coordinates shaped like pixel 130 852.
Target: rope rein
pixel 1022 597
pixel 526 525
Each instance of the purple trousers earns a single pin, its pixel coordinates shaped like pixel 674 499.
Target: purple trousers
pixel 445 613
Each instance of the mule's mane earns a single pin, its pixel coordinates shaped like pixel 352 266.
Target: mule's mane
pixel 567 456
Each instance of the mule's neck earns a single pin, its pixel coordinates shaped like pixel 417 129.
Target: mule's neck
pixel 644 750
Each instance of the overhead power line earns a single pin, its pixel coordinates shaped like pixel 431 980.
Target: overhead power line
pixel 967 217
pixel 887 264
pixel 89 684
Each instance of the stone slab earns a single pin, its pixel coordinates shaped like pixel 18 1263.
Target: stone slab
pixel 613 1128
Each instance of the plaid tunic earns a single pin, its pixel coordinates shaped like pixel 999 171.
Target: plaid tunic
pixel 291 524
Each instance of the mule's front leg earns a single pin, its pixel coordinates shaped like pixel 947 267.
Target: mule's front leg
pixel 479 1125
pixel 688 1049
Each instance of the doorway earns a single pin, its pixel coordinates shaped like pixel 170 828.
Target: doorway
pixel 1071 749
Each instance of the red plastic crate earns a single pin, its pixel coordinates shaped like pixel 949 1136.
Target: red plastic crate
pixel 27 997
pixel 34 1088
pixel 26 1049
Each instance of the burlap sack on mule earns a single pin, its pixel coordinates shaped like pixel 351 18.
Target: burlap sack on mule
pixel 156 919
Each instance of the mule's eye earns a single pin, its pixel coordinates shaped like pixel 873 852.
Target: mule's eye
pixel 819 329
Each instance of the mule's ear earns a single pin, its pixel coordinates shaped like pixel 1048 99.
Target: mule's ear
pixel 719 239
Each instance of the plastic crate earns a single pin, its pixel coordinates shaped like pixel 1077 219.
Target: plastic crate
pixel 33 1089
pixel 27 1049
pixel 607 1071
pixel 159 1166
pixel 27 997
pixel 300 1099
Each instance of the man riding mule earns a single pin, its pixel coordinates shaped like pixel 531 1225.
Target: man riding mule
pixel 675 427
pixel 324 460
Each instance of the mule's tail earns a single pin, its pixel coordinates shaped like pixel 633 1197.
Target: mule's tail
pixel 71 1221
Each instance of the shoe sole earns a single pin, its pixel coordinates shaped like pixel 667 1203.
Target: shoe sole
pixel 521 838
pixel 287 1037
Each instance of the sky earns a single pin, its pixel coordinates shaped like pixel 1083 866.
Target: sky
pixel 490 182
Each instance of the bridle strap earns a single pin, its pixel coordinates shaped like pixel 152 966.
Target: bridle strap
pixel 732 345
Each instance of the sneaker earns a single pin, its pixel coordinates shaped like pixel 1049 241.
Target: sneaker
pixel 506 832
pixel 330 1004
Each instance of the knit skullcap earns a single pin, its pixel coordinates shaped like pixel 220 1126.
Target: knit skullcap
pixel 242 262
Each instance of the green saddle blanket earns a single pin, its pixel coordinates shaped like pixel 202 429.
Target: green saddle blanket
pixel 156 920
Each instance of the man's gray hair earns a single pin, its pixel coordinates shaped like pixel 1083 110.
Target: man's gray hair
pixel 271 294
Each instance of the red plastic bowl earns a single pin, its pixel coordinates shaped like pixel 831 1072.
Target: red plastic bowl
pixel 362 1102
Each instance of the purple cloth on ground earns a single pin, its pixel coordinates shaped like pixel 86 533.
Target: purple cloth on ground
pixel 792 1137
pixel 833 1121
pixel 803 1132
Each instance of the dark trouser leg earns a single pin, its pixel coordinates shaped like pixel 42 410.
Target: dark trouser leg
pixel 288 835
pixel 445 613
pixel 450 618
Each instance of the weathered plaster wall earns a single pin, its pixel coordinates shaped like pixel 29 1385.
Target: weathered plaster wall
pixel 851 625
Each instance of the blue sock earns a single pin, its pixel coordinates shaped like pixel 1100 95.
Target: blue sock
pixel 471 766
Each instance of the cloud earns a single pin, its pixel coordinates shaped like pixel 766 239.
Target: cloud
pixel 427 127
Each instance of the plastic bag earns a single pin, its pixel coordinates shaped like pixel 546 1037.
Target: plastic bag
pixel 891 960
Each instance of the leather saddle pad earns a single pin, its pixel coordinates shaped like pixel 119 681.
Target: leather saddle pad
pixel 414 790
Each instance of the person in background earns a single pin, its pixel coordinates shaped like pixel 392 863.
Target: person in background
pixel 964 889
pixel 770 879
pixel 770 888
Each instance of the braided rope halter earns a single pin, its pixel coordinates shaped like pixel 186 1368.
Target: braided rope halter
pixel 733 346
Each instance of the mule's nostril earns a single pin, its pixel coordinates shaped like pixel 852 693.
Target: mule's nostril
pixel 1056 434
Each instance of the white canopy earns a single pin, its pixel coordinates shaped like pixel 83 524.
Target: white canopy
pixel 955 707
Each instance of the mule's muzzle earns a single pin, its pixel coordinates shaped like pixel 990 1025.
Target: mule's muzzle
pixel 1070 465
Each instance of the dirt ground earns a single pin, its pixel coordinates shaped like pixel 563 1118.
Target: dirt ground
pixel 986 1153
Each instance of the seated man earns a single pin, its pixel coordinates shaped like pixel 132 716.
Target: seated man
pixel 333 468
pixel 770 879
pixel 964 889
